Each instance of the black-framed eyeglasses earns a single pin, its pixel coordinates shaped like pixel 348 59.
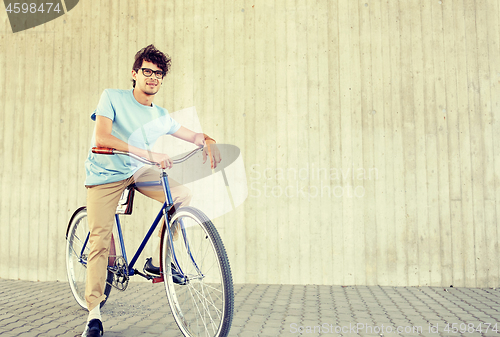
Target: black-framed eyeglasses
pixel 148 72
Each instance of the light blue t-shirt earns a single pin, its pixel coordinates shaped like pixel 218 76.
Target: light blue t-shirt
pixel 135 124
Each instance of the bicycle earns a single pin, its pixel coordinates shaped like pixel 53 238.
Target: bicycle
pixel 194 265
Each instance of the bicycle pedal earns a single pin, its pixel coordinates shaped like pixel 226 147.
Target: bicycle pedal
pixel 158 279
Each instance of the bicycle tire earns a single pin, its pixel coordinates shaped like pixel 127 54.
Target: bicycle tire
pixel 78 230
pixel 204 305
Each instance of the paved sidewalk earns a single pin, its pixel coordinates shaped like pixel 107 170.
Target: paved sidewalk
pixel 48 309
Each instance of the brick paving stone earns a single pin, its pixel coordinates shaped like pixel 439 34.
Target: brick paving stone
pixel 310 314
pixel 277 315
pixel 247 334
pixel 13 325
pixel 49 326
pixel 59 330
pixel 70 333
pixel 261 311
pixel 379 317
pixel 258 318
pixel 273 323
pixel 270 333
pixel 154 329
pixel 20 329
pixel 295 312
pixel 253 326
pixel 26 334
pixel 10 320
pixel 292 319
pixel 247 307
pixel 240 320
pixel 5 315
pixel 235 330
pixel 279 309
pixel 401 323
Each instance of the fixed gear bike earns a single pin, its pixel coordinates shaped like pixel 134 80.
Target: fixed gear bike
pixel 194 267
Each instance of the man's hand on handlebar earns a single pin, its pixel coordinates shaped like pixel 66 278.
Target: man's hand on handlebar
pixel 213 152
pixel 209 149
pixel 161 159
pixel 199 139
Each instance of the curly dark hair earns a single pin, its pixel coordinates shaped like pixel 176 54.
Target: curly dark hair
pixel 151 54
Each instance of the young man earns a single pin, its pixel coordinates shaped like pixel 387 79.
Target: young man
pixel 118 116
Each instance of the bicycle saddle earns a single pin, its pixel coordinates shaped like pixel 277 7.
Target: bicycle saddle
pixel 126 200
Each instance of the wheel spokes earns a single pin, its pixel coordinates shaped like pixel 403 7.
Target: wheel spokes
pixel 198 305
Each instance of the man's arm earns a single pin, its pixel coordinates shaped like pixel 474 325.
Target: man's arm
pixel 190 136
pixel 104 138
pixel 200 139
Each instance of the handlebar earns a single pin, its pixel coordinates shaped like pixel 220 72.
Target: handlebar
pixel 106 150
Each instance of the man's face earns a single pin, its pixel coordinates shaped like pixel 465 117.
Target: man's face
pixel 149 85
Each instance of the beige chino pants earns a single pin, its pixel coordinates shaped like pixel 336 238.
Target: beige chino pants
pixel 102 201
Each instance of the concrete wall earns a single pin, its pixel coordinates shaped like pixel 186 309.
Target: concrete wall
pixel 369 131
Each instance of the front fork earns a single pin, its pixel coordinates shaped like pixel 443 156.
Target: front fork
pixel 169 202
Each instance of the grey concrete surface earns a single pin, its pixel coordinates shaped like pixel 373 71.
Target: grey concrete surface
pixel 48 309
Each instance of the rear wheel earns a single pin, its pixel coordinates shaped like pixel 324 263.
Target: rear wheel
pixel 77 251
pixel 197 278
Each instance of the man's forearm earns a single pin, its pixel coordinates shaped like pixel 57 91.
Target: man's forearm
pixel 189 136
pixel 111 141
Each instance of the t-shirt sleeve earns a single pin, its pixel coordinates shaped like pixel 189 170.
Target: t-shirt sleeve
pixel 104 108
pixel 172 125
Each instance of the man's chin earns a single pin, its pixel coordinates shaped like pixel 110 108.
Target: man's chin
pixel 151 92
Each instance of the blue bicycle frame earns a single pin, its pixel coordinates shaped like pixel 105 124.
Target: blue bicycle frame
pixel 167 205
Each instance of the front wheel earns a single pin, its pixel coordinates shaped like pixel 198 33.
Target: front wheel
pixel 197 275
pixel 77 251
